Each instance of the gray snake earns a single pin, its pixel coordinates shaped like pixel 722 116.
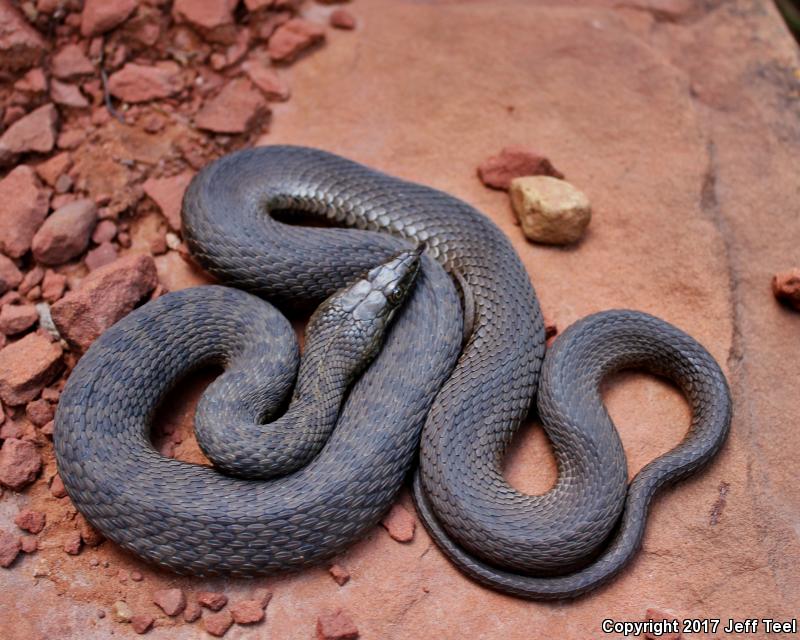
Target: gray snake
pixel 459 404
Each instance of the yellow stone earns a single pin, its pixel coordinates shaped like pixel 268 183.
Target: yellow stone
pixel 549 210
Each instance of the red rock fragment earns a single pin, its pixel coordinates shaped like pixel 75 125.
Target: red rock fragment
pixel 53 168
pixel 399 523
pixel 67 95
pixel 141 83
pixel 142 623
pixel 105 296
pixel 167 193
pixel 31 279
pixel 171 601
pixel 342 19
pixel 20 463
pixel 90 536
pixel 100 256
pixel 15 319
pixel 217 624
pixel 105 231
pixel 212 600
pixel 9 548
pixel 247 612
pixel 192 611
pixel 515 161
pixel 786 287
pixel 31 521
pixel 35 132
pixel 53 286
pixel 136 576
pixel 48 428
pixel 235 109
pixel 72 544
pixel 70 62
pixel 32 82
pixel 21 46
pixel 26 366
pixel 65 234
pixel 29 544
pixel 40 412
pixel 57 489
pixel 23 207
pixel 339 574
pixel 292 38
pixel 267 79
pixel 10 275
pixel 213 19
pixel 336 626
pixel 99 16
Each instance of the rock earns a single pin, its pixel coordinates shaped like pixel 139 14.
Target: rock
pixel 66 233
pixel 786 287
pixel 192 611
pixel 399 523
pixel 10 276
pixel 141 83
pixel 70 62
pixel 550 211
pixel 21 46
pixel 171 601
pixel 247 612
pixel 26 366
pixel 212 600
pixel 15 318
pixel 263 597
pixel 342 19
pixel 267 79
pixel 35 132
pixel 31 521
pixel 57 488
pixel 235 109
pixel 23 207
pixel 167 193
pixel 105 296
pixel 340 575
pixel 292 38
pixel 105 231
pixel 498 171
pixel 99 16
pixel 100 256
pixel 142 623
pixel 20 463
pixel 53 168
pixel 53 286
pixel 29 544
pixel 67 95
pixel 91 537
pixel 48 429
pixel 31 280
pixel 34 81
pixel 659 615
pixel 72 543
pixel 217 624
pixel 9 545
pixel 213 19
pixel 136 576
pixel 121 612
pixel 40 412
pixel 336 626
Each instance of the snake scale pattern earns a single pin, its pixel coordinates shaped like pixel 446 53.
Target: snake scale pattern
pixel 457 373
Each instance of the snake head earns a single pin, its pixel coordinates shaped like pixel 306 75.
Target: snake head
pixel 361 312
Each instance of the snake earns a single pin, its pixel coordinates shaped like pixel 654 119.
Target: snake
pixel 453 369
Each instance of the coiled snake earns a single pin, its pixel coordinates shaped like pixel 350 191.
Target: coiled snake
pixel 470 398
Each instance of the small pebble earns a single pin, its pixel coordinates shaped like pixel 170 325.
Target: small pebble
pixel 121 612
pixel 786 287
pixel 247 612
pixel 336 626
pixel 171 601
pixel 212 600
pixel 550 211
pixel 142 623
pixel 192 611
pixel 339 574
pixel 217 624
pixel 399 523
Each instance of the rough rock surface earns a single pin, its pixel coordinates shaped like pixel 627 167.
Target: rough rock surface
pixel 171 601
pixel 212 600
pixel 99 16
pixel 26 366
pixel 141 83
pixel 167 193
pixel 247 612
pixel 337 625
pixel 16 318
pixel 65 234
pixel 294 37
pixel 35 132
pixel 549 210
pixel 69 62
pixel 31 521
pixel 9 548
pixel 105 296
pixel 217 624
pixel 20 463
pixel 21 46
pixel 234 110
pixel 212 18
pixel 10 275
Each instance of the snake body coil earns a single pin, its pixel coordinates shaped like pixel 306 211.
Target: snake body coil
pixel 194 519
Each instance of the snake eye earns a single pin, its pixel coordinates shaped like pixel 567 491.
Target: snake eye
pixel 396 296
